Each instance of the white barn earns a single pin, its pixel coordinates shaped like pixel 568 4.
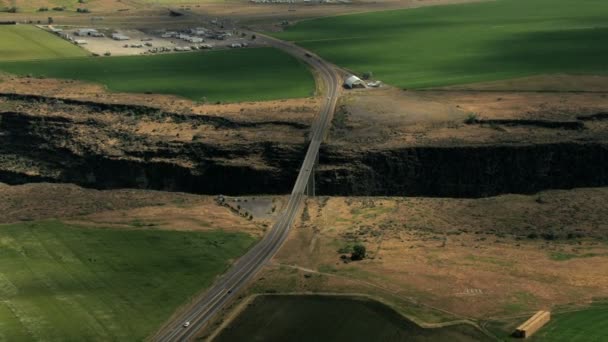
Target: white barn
pixel 353 82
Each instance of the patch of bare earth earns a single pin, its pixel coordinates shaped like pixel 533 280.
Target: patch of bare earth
pixel 141 209
pixel 389 117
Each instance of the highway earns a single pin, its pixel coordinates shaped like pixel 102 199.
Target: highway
pixel 227 286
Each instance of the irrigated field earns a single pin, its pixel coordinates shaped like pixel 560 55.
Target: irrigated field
pixel 590 325
pixel 446 45
pixel 230 76
pixel 68 283
pixel 328 318
pixel 23 42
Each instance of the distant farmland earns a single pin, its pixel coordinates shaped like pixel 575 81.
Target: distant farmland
pixel 230 76
pixel 70 283
pixel 457 44
pixel 25 42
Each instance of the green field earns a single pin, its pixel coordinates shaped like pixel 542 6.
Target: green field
pixel 66 283
pixel 230 76
pixel 590 325
pixel 457 44
pixel 333 318
pixel 24 42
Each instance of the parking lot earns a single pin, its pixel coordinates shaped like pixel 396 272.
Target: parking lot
pixel 137 42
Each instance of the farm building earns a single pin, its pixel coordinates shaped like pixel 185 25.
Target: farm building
pixel 119 36
pixel 532 325
pixel 54 29
pixel 353 82
pixel 80 41
pixel 87 33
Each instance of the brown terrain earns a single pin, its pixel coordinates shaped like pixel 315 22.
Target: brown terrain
pixel 142 209
pixel 440 260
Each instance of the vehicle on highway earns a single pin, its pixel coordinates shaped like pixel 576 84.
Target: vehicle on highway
pixel 186 324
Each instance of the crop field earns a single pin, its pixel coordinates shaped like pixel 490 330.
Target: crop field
pixel 327 318
pixel 227 76
pixel 590 325
pixel 24 42
pixel 458 44
pixel 68 283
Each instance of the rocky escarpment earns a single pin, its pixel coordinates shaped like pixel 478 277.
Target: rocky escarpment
pixel 462 171
pixel 100 146
pixel 109 146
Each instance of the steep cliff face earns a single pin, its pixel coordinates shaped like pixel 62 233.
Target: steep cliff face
pixel 462 171
pixel 116 146
pixel 93 154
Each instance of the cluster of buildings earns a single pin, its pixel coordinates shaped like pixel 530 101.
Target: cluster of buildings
pixel 197 35
pixel 84 32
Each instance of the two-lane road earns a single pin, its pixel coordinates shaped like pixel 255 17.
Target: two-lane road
pixel 249 264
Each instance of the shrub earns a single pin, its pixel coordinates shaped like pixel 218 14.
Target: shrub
pixel 471 119
pixel 532 236
pixel 358 252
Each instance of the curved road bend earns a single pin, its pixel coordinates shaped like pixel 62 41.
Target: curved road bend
pixel 227 286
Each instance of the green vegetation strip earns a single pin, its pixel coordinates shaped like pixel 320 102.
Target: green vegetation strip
pixel 65 283
pixel 24 42
pixel 228 76
pixel 457 44
pixel 590 325
pixel 333 318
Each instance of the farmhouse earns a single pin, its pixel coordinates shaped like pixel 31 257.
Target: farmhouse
pixel 119 36
pixel 353 82
pixel 532 325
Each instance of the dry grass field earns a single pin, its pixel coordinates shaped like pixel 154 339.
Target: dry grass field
pixel 494 257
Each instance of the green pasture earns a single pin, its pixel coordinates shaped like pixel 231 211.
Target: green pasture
pixel 67 283
pixel 24 42
pixel 226 75
pixel 467 43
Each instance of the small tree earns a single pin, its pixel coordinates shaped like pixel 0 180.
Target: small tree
pixel 51 21
pixel 358 252
pixel 367 75
pixel 471 119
